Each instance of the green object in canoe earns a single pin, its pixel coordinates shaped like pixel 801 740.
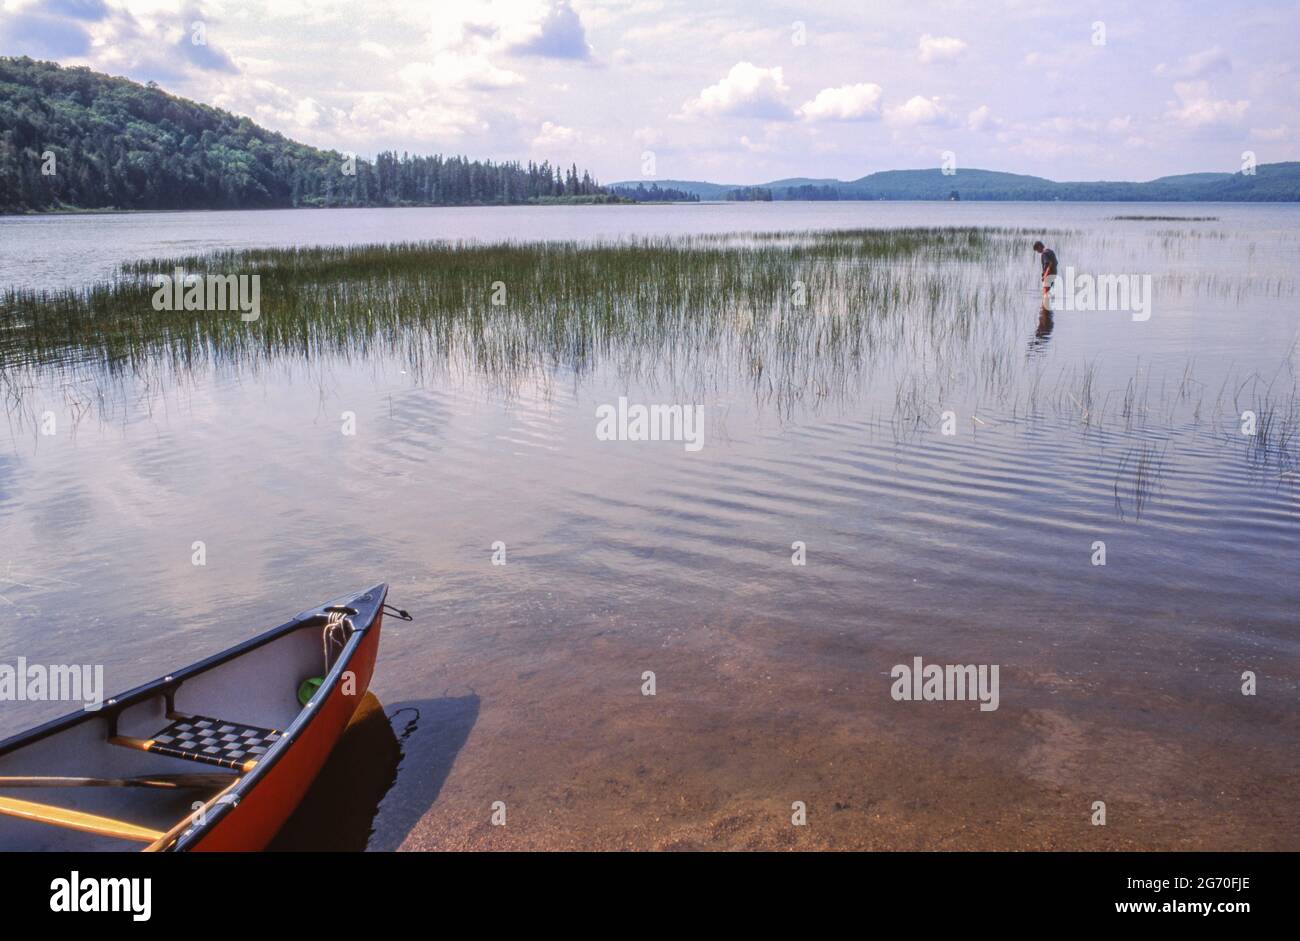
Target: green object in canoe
pixel 307 689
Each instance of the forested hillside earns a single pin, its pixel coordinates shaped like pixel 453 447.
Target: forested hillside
pixel 71 138
pixel 654 193
pixel 1271 182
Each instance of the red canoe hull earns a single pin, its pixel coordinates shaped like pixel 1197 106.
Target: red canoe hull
pixel 256 819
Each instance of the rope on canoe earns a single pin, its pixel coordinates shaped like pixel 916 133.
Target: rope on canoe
pixel 336 632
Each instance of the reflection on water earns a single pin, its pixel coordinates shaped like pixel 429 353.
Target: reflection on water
pixel 1038 345
pixel 824 424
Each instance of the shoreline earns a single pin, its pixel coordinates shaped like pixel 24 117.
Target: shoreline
pixel 701 202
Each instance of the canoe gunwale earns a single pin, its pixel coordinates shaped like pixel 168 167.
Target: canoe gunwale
pixel 369 604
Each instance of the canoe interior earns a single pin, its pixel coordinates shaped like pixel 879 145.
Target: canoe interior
pixel 257 687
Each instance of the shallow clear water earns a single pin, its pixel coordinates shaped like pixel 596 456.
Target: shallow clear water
pixel 623 557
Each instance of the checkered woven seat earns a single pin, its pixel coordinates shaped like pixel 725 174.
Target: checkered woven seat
pixel 214 742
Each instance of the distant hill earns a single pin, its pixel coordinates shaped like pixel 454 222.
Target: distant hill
pixel 117 144
pixel 1186 179
pixel 1272 182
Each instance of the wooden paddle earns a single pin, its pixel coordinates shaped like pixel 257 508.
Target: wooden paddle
pixel 77 820
pixel 170 781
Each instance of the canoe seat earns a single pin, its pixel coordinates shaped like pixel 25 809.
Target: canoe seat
pixel 211 741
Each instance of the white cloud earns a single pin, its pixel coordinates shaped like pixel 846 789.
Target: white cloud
pixel 939 48
pixel 746 91
pixel 451 71
pixel 155 42
pixel 307 113
pixel 1271 134
pixel 394 117
pixel 980 119
pixel 555 136
pixel 556 32
pixel 1197 65
pixel 465 45
pixel 272 105
pixel 1196 109
pixel 918 112
pixel 847 103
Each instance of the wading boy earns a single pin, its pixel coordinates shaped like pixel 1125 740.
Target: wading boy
pixel 1049 270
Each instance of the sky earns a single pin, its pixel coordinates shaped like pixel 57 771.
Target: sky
pixel 733 92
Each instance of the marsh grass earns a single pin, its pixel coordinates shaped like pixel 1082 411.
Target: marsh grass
pixel 1138 477
pixel 1165 218
pixel 1275 403
pixel 567 300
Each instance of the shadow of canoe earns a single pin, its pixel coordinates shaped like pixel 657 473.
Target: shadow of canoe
pixel 383 776
pixel 432 733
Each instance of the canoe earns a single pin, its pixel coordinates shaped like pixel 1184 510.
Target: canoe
pixel 215 756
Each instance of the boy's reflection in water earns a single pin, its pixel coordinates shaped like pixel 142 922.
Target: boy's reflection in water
pixel 1043 334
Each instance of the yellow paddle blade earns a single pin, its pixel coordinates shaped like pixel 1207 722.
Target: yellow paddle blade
pixel 76 820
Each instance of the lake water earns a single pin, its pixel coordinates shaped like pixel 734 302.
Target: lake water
pixel 70 250
pixel 1120 682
